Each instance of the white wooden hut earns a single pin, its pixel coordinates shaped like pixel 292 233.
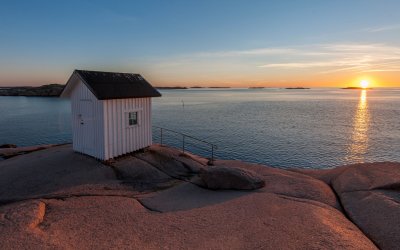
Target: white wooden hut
pixel 111 112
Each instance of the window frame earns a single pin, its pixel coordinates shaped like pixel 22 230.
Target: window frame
pixel 133 116
pixel 127 116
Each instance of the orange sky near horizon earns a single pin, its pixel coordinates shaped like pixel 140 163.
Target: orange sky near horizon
pixel 321 65
pixel 217 79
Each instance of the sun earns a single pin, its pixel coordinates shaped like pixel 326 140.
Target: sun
pixel 364 84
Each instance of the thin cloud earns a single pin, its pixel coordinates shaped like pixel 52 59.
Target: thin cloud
pixel 299 65
pixel 251 52
pixel 320 58
pixel 383 70
pixel 382 28
pixel 347 57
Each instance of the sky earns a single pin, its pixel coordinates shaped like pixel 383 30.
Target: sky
pixel 309 43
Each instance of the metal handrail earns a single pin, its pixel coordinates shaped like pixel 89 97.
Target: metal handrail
pixel 213 146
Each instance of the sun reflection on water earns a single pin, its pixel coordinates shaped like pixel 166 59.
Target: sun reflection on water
pixel 359 138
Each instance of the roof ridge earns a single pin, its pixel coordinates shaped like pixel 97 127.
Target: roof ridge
pixel 108 72
pixel 116 85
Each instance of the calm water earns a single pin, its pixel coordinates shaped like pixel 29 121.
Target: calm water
pixel 314 128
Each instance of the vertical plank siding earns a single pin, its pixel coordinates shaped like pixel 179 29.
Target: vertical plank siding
pixel 119 137
pixel 80 139
pixel 112 135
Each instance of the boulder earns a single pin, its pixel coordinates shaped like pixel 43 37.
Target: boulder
pixel 230 178
pixel 288 183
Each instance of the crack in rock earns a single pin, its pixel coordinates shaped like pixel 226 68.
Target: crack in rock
pixel 39 215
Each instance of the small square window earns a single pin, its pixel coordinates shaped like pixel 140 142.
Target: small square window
pixel 133 118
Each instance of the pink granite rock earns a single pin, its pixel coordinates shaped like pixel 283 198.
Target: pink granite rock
pixel 252 221
pixel 370 195
pixel 230 178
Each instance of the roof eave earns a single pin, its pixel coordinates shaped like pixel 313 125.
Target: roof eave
pixel 86 84
pixel 64 93
pixel 77 73
pixel 129 97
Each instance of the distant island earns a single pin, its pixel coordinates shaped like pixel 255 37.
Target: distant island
pixel 297 88
pixel 177 87
pixel 256 87
pixel 193 87
pixel 217 87
pixel 49 90
pixel 355 88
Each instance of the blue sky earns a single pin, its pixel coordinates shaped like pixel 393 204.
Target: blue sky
pixel 236 43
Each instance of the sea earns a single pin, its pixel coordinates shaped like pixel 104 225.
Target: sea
pixel 306 128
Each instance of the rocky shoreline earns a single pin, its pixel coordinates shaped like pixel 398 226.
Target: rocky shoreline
pixel 161 198
pixel 49 90
pixel 10 150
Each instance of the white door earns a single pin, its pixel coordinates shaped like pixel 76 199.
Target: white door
pixel 87 126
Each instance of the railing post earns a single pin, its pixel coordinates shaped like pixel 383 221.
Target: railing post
pixel 161 136
pixel 183 143
pixel 212 154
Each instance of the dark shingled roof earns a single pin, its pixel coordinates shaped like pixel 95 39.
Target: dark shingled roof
pixel 112 85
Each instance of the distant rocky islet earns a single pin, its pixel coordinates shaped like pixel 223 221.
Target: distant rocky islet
pixel 54 90
pixel 49 90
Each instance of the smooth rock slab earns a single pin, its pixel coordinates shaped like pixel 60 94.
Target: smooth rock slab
pixel 230 178
pixel 141 174
pixel 288 183
pixel 377 214
pixel 252 221
pixel 187 196
pixel 171 161
pixel 368 176
pixel 370 195
pixel 48 171
pixel 10 150
pixel 89 208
